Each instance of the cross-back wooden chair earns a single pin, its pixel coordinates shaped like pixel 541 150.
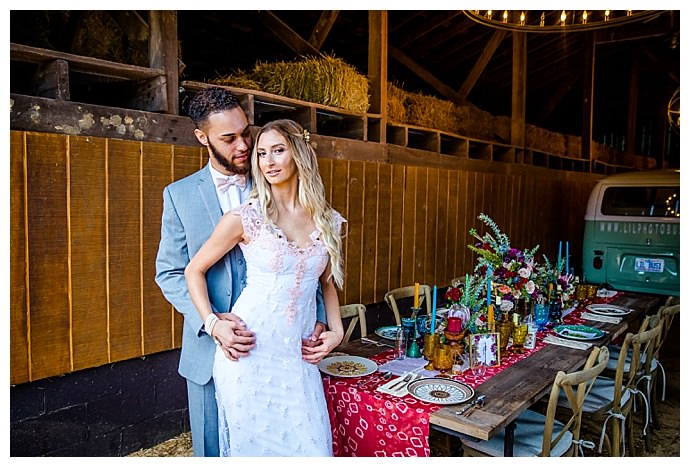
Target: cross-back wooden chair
pixel 650 368
pixel 667 315
pixel 392 296
pixel 609 407
pixel 357 312
pixel 544 435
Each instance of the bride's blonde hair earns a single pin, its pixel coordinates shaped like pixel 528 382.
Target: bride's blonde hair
pixel 311 192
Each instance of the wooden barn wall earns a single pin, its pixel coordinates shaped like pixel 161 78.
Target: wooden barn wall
pixel 85 224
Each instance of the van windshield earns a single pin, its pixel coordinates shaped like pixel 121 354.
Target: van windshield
pixel 642 201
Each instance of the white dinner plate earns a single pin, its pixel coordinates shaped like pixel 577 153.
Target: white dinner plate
pixel 347 366
pixel 387 332
pixel 608 310
pixel 578 332
pixel 440 390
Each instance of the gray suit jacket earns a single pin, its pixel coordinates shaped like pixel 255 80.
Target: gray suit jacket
pixel 190 213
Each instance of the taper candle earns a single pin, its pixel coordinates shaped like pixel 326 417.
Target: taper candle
pixel 567 257
pixel 433 311
pixel 416 294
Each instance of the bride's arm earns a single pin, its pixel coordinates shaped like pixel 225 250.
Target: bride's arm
pixel 331 338
pixel 233 337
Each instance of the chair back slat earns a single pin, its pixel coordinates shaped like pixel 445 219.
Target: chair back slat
pixel 392 296
pixel 576 386
pixel 357 312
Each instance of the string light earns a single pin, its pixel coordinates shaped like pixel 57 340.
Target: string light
pixel 559 21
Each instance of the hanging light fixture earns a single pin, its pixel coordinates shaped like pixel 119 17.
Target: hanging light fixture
pixel 559 21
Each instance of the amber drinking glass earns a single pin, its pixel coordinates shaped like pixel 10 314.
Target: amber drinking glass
pixel 519 335
pixel 431 342
pixel 443 359
pixel 581 292
pixel 505 329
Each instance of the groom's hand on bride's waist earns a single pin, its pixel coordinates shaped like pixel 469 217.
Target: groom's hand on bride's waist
pixel 233 336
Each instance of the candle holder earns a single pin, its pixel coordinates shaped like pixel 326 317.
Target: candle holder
pixel 413 350
pixel 455 335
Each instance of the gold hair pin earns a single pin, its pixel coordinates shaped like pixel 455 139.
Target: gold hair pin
pixel 306 135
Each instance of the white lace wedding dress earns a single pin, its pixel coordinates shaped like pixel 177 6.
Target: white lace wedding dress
pixel 272 403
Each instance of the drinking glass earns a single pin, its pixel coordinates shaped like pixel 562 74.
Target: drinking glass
pixel 431 342
pixel 505 329
pixel 541 315
pixel 477 365
pixel 519 336
pixel 443 359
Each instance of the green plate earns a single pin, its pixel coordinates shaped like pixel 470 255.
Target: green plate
pixel 578 332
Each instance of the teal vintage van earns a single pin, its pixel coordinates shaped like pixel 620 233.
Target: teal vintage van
pixel 632 232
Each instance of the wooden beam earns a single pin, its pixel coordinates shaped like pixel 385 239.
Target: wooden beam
pixel 293 40
pixel 163 54
pixel 82 64
pixel 322 28
pixel 53 80
pixel 481 63
pixel 378 63
pixel 425 75
pixel 37 114
pixel 588 98
pixel 519 100
pixel 423 28
pixel 557 96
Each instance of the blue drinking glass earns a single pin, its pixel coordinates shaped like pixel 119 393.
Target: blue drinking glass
pixel 541 315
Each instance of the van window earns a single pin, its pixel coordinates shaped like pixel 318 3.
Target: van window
pixel 641 201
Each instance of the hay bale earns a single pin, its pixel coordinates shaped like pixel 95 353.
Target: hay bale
pixel 237 79
pixel 396 103
pixel 324 80
pixel 545 140
pixel 430 112
pixel 100 36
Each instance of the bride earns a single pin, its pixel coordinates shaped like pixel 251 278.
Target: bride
pixel 271 402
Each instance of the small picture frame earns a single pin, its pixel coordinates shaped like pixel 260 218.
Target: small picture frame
pixel 485 347
pixel 531 339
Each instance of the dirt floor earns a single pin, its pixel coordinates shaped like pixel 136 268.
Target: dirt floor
pixel 665 438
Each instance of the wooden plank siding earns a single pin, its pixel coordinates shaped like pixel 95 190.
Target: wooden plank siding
pixel 85 226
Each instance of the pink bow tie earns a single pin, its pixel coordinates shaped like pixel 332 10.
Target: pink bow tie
pixel 224 183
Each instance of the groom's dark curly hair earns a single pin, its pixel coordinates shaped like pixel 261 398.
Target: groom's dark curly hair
pixel 209 101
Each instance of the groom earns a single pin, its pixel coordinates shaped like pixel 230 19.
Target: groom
pixel 191 209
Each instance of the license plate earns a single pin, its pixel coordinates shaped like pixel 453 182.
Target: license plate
pixel 649 265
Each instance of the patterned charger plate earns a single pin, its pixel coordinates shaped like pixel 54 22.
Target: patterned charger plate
pixel 440 390
pixel 347 366
pixel 608 310
pixel 387 332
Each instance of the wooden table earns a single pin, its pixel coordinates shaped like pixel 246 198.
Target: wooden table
pixel 514 389
pixel 509 392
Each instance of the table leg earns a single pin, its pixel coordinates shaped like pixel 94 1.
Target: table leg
pixel 508 439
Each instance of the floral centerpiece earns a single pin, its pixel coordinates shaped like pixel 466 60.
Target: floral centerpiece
pixel 547 274
pixel 510 269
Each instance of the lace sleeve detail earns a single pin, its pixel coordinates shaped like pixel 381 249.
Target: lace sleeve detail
pixel 252 219
pixel 338 222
